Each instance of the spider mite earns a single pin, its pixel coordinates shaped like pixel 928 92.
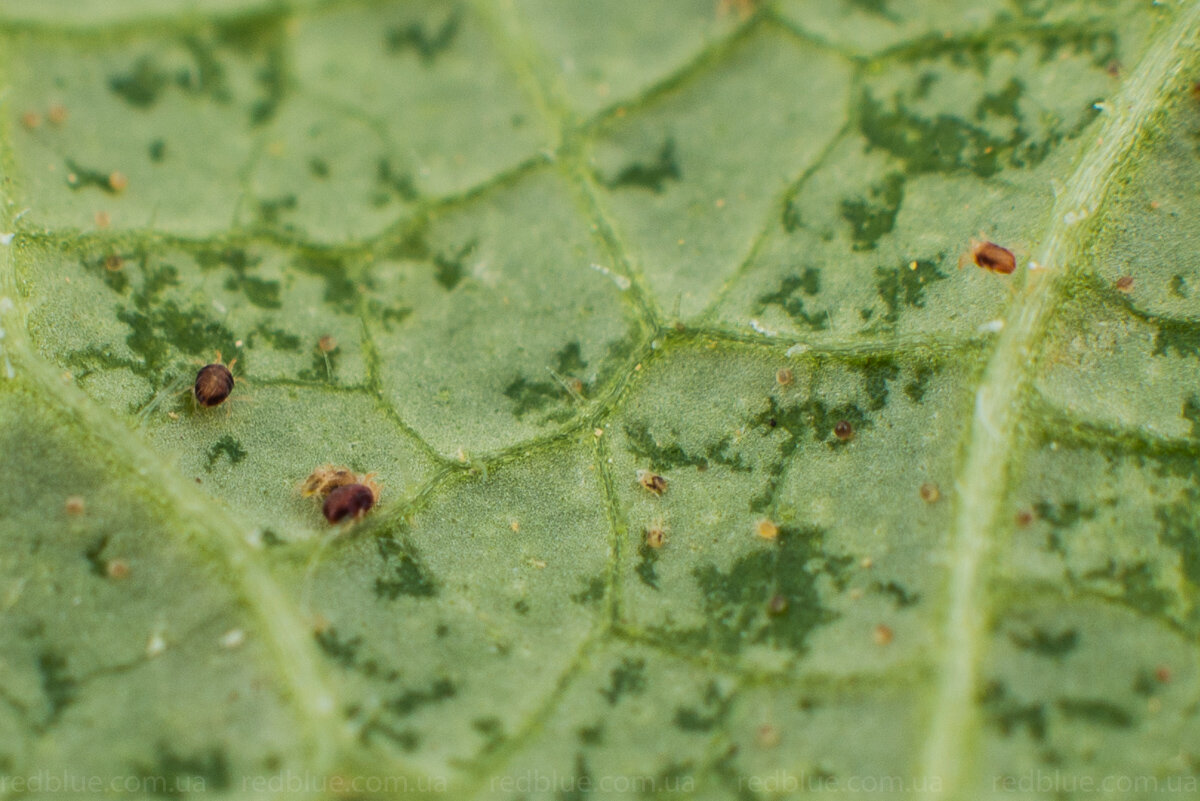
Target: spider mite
pixel 991 257
pixel 350 501
pixel 652 481
pixel 326 478
pixel 656 535
pixel 214 382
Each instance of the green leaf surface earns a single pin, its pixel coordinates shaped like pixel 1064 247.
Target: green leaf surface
pixel 927 531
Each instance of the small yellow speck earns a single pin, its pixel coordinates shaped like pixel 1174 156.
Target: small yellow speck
pixel 75 505
pixel 867 563
pixel 766 529
pixel 598 432
pixel 912 265
pixel 57 114
pixel 515 525
pixel 720 203
pixel 103 220
pixel 882 635
pixel 538 563
pixel 117 181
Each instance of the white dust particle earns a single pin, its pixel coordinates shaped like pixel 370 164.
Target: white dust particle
pixel 155 645
pixel 992 327
pixel 621 281
pixel 760 328
pixel 233 639
pixel 796 350
pixel 6 239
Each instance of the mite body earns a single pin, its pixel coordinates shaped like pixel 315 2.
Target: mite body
pixel 214 382
pixel 652 481
pixel 350 501
pixel 992 257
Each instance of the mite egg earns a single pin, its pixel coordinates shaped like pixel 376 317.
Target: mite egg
pixel 350 501
pixel 993 258
pixel 652 481
pixel 843 430
pixel 214 382
pixel 766 529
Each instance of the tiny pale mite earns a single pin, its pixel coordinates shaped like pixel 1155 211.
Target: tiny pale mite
pixel 652 481
pixel 327 478
pixel 214 382
pixel 348 501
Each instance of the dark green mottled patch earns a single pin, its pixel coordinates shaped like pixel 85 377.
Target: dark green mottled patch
pixel 403 572
pixel 534 395
pixel 627 678
pixel 174 774
pixel 427 42
pixel 58 687
pixel 410 701
pixel 1140 582
pixel 1003 103
pixel 141 86
pixel 318 168
pixel 1179 287
pixel 344 652
pixel 662 456
pixel 80 177
pixel 260 292
pixel 593 593
pixel 915 389
pixel 393 184
pixel 591 735
pixel 157 151
pixel 711 711
pixel 645 568
pixel 1179 523
pixel 228 447
pixel 449 268
pixel 903 286
pixel 324 365
pixel 735 600
pixel 785 297
pixel 1191 413
pixel 1094 710
pixel 1178 336
pixel 97 563
pixel 1045 643
pixel 652 175
pixel 1010 715
pixel 873 216
pixel 272 209
pixel 277 338
pixel 903 597
pixel 491 729
pixel 340 290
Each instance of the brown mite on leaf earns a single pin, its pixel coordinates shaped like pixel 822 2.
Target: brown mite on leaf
pixel 843 430
pixel 784 376
pixel 656 535
pixel 930 493
pixel 214 382
pixel 350 501
pixel 652 481
pixel 992 257
pixel 1125 284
